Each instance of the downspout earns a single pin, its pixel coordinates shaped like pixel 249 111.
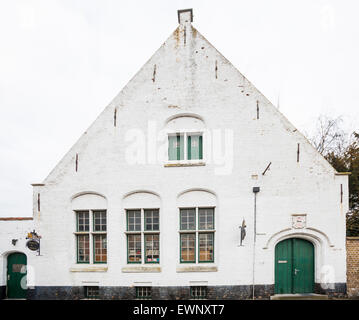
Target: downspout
pixel 255 191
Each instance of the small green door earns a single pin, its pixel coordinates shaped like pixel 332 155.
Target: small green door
pixel 16 276
pixel 294 266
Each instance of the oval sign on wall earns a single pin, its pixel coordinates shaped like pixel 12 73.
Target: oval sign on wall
pixel 33 245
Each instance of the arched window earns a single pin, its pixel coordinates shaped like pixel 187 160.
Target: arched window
pixel 185 138
pixel 197 226
pixel 91 228
pixel 142 209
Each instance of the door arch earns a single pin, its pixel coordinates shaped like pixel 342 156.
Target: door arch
pixel 294 266
pixel 16 287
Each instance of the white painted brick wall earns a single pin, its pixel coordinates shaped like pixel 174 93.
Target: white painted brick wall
pixel 10 230
pixel 185 82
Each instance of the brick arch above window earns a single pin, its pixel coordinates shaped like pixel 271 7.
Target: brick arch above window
pixel 141 199
pixel 199 197
pixel 185 122
pixel 88 199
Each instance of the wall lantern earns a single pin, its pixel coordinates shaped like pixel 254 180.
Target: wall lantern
pixel 13 241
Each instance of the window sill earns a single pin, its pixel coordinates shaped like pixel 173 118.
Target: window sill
pixel 89 268
pixel 141 269
pixel 145 232
pixel 196 268
pixel 199 231
pixel 79 233
pixel 184 164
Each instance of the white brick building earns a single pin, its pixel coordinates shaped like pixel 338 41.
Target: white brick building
pixel 150 199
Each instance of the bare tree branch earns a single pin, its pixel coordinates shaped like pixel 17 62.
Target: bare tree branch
pixel 329 137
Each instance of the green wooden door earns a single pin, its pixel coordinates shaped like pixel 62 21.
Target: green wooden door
pixel 16 275
pixel 294 266
pixel 303 264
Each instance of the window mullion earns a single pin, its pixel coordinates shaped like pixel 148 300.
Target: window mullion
pixel 200 147
pixel 197 242
pixel 142 235
pixel 197 219
pixel 91 238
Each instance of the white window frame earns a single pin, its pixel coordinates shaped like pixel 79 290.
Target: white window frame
pixel 185 134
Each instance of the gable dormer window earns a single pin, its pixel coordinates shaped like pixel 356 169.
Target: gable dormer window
pixel 185 146
pixel 186 134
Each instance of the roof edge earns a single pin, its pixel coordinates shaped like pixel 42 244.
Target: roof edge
pixel 16 218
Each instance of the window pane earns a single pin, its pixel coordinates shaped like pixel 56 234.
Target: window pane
pixel 152 248
pixel 206 218
pixel 18 268
pixel 143 292
pixel 133 220
pixel 175 147
pixel 194 147
pixel 199 292
pixel 134 248
pixel 92 292
pixel 100 248
pixel 206 246
pixel 83 224
pixel 99 218
pixel 152 220
pixel 188 219
pixel 83 248
pixel 188 243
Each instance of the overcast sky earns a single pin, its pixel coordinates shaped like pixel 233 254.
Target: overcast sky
pixel 62 62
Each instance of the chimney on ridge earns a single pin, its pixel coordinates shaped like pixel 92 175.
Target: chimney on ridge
pixel 185 16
